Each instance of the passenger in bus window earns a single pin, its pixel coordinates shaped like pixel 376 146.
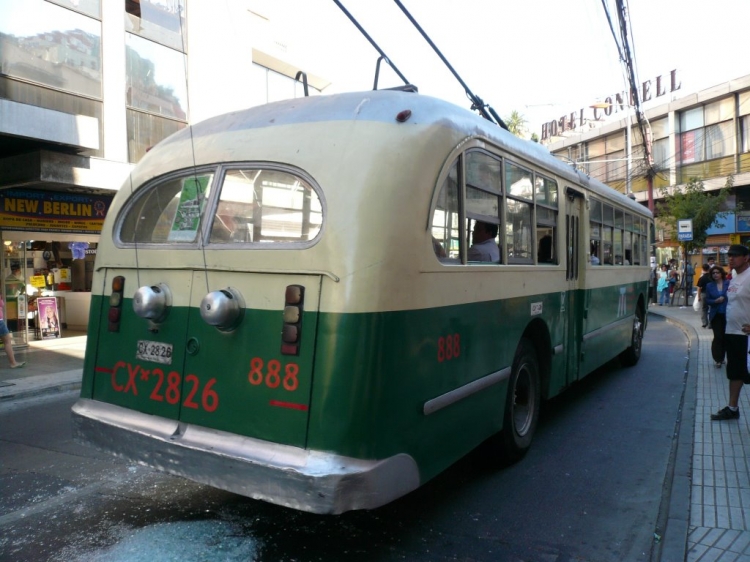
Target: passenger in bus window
pixel 594 251
pixel 544 254
pixel 484 247
pixel 438 248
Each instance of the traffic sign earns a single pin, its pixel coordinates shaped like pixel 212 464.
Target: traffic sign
pixel 685 230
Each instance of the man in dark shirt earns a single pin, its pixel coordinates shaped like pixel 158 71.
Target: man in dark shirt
pixel 703 280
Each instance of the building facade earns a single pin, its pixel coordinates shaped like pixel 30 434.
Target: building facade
pixel 86 88
pixel 703 135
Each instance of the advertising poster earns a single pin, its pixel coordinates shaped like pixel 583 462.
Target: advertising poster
pixel 49 317
pixel 187 218
pixel 688 147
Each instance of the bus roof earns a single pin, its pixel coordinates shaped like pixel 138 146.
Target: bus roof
pixel 379 106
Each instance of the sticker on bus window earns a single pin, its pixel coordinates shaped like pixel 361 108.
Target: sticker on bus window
pixel 187 218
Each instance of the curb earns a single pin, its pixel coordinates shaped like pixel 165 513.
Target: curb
pixel 41 384
pixel 675 534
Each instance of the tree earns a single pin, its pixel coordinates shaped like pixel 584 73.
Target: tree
pixel 691 202
pixel 516 123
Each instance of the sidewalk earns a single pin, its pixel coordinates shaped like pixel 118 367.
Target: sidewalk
pixel 709 512
pixel 51 366
pixel 711 470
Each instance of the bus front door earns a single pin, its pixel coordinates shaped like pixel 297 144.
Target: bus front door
pixel 244 378
pixel 575 296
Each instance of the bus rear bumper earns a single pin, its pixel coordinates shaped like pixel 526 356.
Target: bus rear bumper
pixel 312 481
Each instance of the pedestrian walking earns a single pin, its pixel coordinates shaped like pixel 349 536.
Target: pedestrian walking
pixel 653 280
pixel 663 286
pixel 689 274
pixel 703 280
pixel 716 297
pixel 737 330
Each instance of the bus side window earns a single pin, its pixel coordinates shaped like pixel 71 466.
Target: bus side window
pixel 608 222
pixel 545 198
pixel 446 240
pixel 484 205
pixel 595 227
pixel 518 213
pixel 607 257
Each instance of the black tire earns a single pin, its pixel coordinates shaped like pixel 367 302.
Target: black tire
pixel 632 354
pixel 522 404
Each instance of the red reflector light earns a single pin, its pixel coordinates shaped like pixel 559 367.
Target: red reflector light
pixel 403 115
pixel 289 348
pixel 113 315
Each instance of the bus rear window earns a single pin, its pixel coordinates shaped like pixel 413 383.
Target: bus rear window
pixel 229 206
pixel 170 212
pixel 265 206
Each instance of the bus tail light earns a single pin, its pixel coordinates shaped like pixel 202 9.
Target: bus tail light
pixel 291 331
pixel 115 303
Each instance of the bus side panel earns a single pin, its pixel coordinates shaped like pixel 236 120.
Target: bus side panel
pixel 609 323
pixel 375 372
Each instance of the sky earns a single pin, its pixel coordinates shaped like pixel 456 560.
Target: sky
pixel 542 58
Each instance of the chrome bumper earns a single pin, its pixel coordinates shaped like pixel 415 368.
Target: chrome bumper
pixel 311 481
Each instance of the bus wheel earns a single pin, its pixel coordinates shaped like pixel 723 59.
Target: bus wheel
pixel 632 354
pixel 521 404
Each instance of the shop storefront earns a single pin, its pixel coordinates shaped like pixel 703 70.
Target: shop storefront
pixel 49 242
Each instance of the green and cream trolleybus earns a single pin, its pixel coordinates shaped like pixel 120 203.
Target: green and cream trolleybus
pixel 288 303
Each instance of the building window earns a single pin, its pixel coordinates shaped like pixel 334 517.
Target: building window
pixel 607 159
pixel 707 132
pixel 145 131
pixel 91 8
pixel 162 21
pixel 156 94
pixel 660 143
pixel 55 47
pixel 744 113
pixel 155 78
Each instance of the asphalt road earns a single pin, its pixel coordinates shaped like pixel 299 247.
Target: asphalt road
pixel 591 489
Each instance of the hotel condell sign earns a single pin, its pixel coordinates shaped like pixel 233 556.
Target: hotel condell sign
pixel 619 102
pixel 51 211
